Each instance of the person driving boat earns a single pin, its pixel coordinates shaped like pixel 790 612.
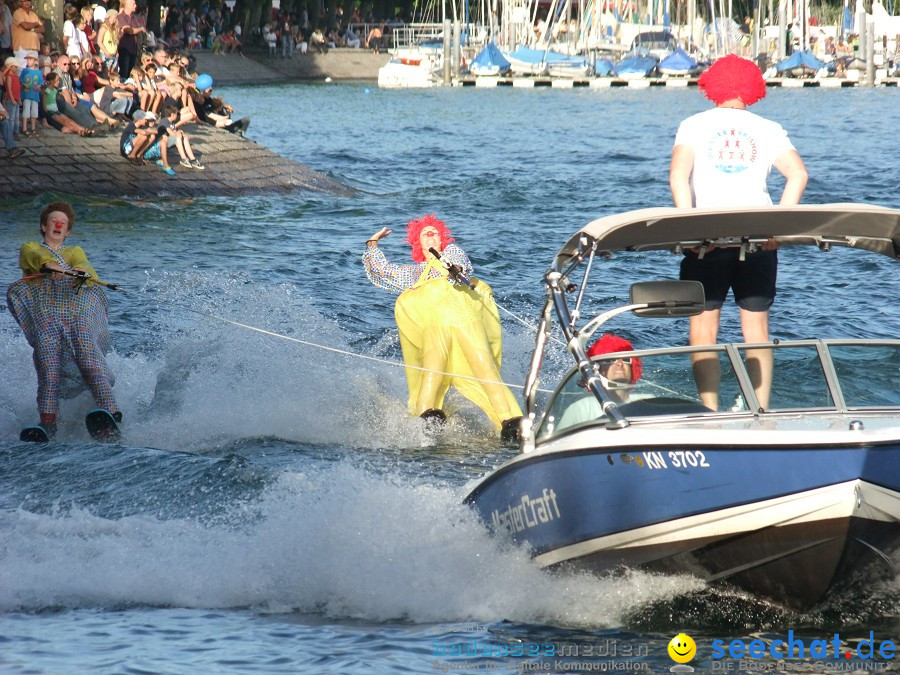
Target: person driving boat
pixel 618 377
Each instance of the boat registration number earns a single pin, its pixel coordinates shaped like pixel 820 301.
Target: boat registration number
pixel 679 459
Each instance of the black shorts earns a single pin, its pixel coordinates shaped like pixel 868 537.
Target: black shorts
pixel 752 280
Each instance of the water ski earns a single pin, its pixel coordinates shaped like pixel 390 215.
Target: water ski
pixel 36 434
pixel 102 426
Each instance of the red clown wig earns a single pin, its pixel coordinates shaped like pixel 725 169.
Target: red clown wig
pixel 613 343
pixel 414 229
pixel 732 77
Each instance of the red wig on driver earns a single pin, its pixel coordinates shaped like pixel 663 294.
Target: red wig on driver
pixel 732 77
pixel 613 343
pixel 414 229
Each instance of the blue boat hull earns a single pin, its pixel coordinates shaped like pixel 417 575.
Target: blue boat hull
pixel 777 521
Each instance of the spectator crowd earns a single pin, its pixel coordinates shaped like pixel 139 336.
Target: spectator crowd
pixel 109 74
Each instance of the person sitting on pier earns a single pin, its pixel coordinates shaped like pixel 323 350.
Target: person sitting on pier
pixel 182 101
pixel 317 41
pixel 351 39
pixel 448 323
pixel 137 137
pixel 51 113
pixel 213 110
pixel 174 136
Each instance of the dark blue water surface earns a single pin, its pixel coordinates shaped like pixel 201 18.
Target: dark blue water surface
pixel 273 508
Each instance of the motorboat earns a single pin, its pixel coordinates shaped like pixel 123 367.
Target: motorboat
pixel 799 64
pixel 787 491
pixel 636 64
pixel 530 61
pixel 569 66
pixel 658 44
pixel 418 66
pixel 527 61
pixel 679 63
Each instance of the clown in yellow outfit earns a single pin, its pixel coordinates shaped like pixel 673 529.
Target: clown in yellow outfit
pixel 448 329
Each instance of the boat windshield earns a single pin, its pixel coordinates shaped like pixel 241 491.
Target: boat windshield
pixel 662 383
pixel 665 387
pixel 869 374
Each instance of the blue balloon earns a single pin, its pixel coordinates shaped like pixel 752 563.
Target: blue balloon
pixel 204 82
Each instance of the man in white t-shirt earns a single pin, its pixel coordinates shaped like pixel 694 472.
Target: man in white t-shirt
pixel 722 158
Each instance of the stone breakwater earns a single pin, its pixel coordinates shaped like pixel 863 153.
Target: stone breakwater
pixel 56 162
pixel 67 163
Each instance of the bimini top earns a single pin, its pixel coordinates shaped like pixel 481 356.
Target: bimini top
pixel 865 226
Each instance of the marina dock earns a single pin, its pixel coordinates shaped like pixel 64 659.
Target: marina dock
pixel 648 82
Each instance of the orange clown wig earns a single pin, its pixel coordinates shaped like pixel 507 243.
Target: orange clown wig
pixel 414 229
pixel 732 77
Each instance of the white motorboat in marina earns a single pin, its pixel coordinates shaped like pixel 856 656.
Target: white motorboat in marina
pixel 412 67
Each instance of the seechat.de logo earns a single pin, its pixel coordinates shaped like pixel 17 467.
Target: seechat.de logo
pixel 792 647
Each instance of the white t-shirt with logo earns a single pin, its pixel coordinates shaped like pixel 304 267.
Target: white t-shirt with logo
pixel 734 151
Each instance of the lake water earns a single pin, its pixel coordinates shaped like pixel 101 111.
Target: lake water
pixel 273 508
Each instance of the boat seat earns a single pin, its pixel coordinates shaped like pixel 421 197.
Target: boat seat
pixel 666 405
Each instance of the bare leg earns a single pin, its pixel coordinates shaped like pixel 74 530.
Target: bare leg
pixel 140 145
pixel 704 331
pixel 70 126
pixel 755 326
pixel 180 146
pixel 99 115
pixel 188 150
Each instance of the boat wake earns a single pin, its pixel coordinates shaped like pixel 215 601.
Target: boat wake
pixel 335 539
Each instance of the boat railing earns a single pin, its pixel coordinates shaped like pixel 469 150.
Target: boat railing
pixel 845 377
pixel 418 34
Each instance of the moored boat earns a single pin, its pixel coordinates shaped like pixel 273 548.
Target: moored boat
pixel 799 63
pixel 489 61
pixel 412 67
pixel 636 64
pixel 679 63
pixel 788 500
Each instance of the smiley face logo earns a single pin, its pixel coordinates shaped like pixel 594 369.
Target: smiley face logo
pixel 682 648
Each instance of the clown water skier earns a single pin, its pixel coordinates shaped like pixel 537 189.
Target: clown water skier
pixel 447 328
pixel 63 312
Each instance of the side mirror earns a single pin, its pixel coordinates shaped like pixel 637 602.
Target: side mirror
pixel 668 299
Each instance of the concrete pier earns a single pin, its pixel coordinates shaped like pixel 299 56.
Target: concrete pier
pixel 234 165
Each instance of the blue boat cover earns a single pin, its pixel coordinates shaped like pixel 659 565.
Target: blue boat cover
pixel 604 67
pixel 678 61
pixel 798 59
pixel 489 61
pixel 636 64
pixel 529 55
